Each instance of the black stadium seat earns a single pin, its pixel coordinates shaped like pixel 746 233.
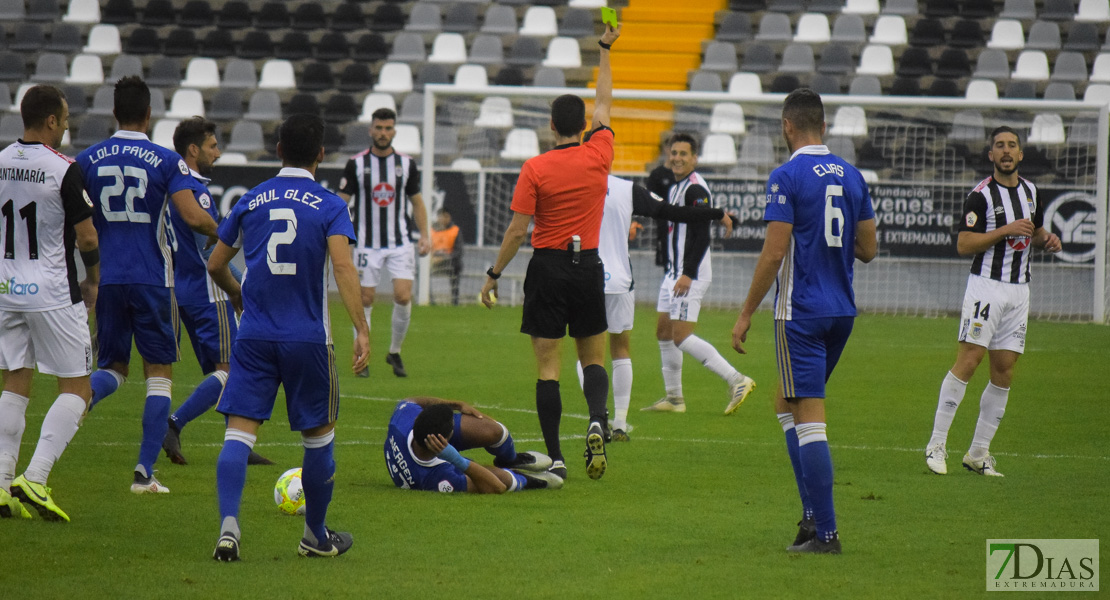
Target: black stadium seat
pixel 371 47
pixel 347 17
pixel 196 13
pixel 316 77
pixel 180 42
pixel 158 12
pixel 217 44
pixel 294 46
pixel 256 44
pixel 235 14
pixel 309 16
pixel 143 40
pixel 332 46
pixel 118 12
pixel 272 15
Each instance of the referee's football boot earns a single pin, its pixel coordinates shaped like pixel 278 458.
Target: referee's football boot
pixel 394 360
pixel 807 530
pixel 983 465
pixel 227 548
pixel 172 444
pixel 11 507
pixel 334 545
pixel 817 546
pixel 37 496
pixel 540 481
pixel 738 393
pixel 595 451
pixel 525 461
pixel 668 404
pixel 935 456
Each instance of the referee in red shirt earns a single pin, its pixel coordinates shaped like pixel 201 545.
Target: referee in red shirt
pixel 564 192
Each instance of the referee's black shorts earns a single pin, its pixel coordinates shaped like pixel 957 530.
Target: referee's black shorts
pixel 559 294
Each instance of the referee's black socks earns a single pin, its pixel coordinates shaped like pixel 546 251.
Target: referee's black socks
pixel 595 384
pixel 549 407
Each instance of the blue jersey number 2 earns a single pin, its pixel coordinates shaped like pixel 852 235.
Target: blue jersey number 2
pixel 279 238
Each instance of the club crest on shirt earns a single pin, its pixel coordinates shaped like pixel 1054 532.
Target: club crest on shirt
pixel 1030 203
pixel 971 219
pixel 181 166
pixel 976 330
pixel 205 201
pixel 398 171
pixel 382 195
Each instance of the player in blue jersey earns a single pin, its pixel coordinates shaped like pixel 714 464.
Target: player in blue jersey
pixel 132 182
pixel 202 307
pixel 819 220
pixel 288 228
pixel 422 451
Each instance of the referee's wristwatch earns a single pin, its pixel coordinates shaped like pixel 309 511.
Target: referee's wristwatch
pixel 492 275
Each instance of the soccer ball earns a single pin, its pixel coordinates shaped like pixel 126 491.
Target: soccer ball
pixel 288 493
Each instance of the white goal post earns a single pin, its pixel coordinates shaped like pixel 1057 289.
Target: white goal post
pixel 921 155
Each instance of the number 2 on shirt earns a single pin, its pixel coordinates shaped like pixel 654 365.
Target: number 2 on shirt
pixel 279 238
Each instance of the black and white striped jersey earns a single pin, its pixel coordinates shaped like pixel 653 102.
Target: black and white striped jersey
pixel 992 205
pixel 380 188
pixel 688 244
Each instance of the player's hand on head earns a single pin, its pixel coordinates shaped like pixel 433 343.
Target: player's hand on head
pixel 435 442
pixel 740 333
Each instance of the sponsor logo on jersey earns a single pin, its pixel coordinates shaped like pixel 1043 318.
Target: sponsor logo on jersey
pixel 445 486
pixel 774 188
pixel 971 219
pixel 1018 243
pixel 18 289
pixel 205 201
pixel 19 154
pixel 382 195
pixel 181 166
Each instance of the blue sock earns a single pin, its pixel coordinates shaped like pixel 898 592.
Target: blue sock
pixel 318 479
pixel 231 471
pixel 155 415
pixel 203 398
pixel 104 382
pixel 520 482
pixel 796 462
pixel 504 450
pixel 817 473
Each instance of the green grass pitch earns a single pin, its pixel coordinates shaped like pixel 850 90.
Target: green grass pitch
pixel 695 506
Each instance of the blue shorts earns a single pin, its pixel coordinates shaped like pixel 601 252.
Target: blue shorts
pixel 148 312
pixel 808 350
pixel 305 370
pixel 212 328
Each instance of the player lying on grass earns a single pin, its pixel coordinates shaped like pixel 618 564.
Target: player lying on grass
pixel 423 443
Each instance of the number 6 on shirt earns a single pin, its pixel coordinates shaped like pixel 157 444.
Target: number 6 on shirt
pixel 834 217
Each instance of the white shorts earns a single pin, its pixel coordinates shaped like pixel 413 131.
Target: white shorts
pixel 620 311
pixel 56 341
pixel 685 308
pixel 401 263
pixel 995 314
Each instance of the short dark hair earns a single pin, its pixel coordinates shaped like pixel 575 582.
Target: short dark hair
pixel 683 137
pixel 40 102
pixel 384 114
pixel 132 100
pixel 194 130
pixel 1005 129
pixel 568 113
pixel 803 108
pixel 301 137
pixel 437 418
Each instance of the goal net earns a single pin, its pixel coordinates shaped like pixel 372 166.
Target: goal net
pixel 921 157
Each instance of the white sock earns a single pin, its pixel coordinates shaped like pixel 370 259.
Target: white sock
pixel 58 428
pixel 992 405
pixel 672 367
pixel 622 391
pixel 13 418
pixel 786 420
pixel 401 316
pixel 811 432
pixel 708 355
pixel 951 395
pixel 581 375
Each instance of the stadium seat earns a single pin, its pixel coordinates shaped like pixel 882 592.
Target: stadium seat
pixel 549 77
pixel 1070 67
pixel 905 8
pixel 849 121
pixel 1022 10
pixel 50 68
pixel 539 21
pixel 1007 35
pixel 576 23
pixel 394 77
pixel 1047 129
pixel 341 108
pixel 495 112
pixel 233 158
pixel 1043 35
pixel 1093 11
pixel 235 14
pixel 246 137
pixel 487 50
pixel 103 39
pixel 861 7
pixel 785 83
pixel 1031 65
pixel 162 133
pixel 499 19
pixel 758 58
pixel 467 165
pixel 217 43
pixel 727 117
pixel 157 13
pixel 387 17
pixel 865 85
pixel 446 142
pixel 735 27
pixel 813 28
pixel 748 5
pixel 157 103
pixel 564 53
pixel 525 52
pixel 1082 37
pixel 332 46
pixel 12 67
pixel 373 102
pixel 408 47
pixel 256 45
pixel 927 33
pixel 849 29
pixel 836 59
pixel 966 33
pixel 309 16
pixel 1097 93
pixel 720 56
pixel 180 42
pixel 75 97
pixel 890 30
pixel 1060 90
pixel 186 103
pixel 294 45
pixel 118 12
pixel 303 102
pixel 775 27
pixel 201 73
pixel 471 76
pixel 370 47
pixel 164 72
pixel 1100 69
pixel 905 86
pixel 29 37
pixel 1057 10
pixel 977 9
pixel 430 73
pixel 953 63
pixel 272 15
pixel 831 7
pixel 86 69
pixel 196 13
pixel 1083 130
pixel 797 58
pixel 992 64
pixel 425 16
pixel 277 74
pixel 448 48
pixel 407 140
pixel 240 74
pixel 914 63
pixel 316 77
pixel 756 152
pixel 521 144
pixel 826 83
pixel 356 78
pixel 705 81
pixel 124 65
pixel 347 16
pixel 94 129
pixel 944 88
pixel 226 105
pixel 103 102
pixel 461 18
pixel 786 6
pixel 981 90
pixel 264 105
pixel 13 10
pixel 745 84
pixel 968 126
pixel 82 11
pixel 356 138
pixel 412 109
pixel 876 60
pixel 587 3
